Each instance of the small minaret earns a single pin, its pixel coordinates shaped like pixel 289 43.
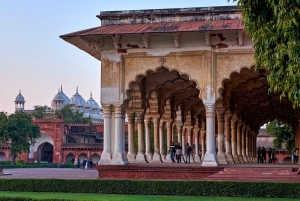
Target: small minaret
pixel 19 102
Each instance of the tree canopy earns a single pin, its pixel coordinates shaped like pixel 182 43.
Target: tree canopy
pixel 274 27
pixel 70 116
pixel 39 111
pixel 19 131
pixel 283 133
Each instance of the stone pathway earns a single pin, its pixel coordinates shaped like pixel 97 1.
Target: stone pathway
pixel 59 173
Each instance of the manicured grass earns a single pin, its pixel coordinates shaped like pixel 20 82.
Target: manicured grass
pixel 95 197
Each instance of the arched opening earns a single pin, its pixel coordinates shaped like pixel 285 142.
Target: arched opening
pixel 45 152
pixel 82 157
pixel 95 158
pixel 70 158
pixel 2 156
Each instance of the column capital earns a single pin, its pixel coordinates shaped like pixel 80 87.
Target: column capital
pixel 130 116
pixel 234 118
pixel 147 121
pixel 140 116
pixel 106 111
pixel 119 110
pixel 220 114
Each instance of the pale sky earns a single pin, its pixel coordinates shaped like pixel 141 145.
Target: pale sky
pixel 36 61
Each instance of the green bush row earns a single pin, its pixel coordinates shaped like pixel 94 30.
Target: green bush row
pixel 4 198
pixel 142 187
pixel 36 165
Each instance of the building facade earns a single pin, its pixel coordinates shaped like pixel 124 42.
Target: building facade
pixel 190 73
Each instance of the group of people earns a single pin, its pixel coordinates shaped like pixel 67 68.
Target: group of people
pixel 262 155
pixel 85 164
pixel 176 153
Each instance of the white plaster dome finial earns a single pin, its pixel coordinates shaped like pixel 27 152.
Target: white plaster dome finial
pixel 20 98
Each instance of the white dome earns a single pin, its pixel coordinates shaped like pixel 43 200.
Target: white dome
pixel 60 100
pixel 77 100
pixel 93 104
pixel 20 98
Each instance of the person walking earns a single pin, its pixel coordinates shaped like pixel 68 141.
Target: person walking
pixel 273 155
pixel 172 152
pixel 178 153
pixel 269 155
pixel 297 154
pixel 263 155
pixel 188 150
pixel 293 155
pixel 259 155
pixel 75 164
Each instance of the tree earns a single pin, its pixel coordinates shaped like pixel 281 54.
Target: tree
pixel 18 129
pixel 274 27
pixel 39 111
pixel 283 133
pixel 70 116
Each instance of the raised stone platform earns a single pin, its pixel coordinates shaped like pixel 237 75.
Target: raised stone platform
pixel 156 172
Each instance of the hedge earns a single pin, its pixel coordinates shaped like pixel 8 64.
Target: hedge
pixel 143 187
pixel 3 198
pixel 37 165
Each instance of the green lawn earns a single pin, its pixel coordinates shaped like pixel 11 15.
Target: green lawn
pixel 91 197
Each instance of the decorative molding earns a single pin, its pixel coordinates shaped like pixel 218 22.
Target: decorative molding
pixel 241 37
pixel 96 43
pixel 146 40
pixel 116 40
pixel 177 39
pixel 207 37
pixel 162 61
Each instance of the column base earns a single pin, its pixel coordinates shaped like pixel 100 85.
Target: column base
pixel 198 159
pixel 245 159
pixel 168 159
pixel 229 159
pixel 210 160
pixel 119 159
pixel 156 158
pixel 105 158
pixel 149 156
pixel 221 158
pixel 141 158
pixel 241 159
pixel 131 157
pixel 235 158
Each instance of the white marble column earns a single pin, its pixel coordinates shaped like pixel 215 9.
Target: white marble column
pixel 118 157
pixel 247 145
pixel 131 152
pixel 161 140
pixel 244 144
pixel 169 140
pixel 239 141
pixel 123 134
pixel 203 136
pixel 196 139
pixel 106 154
pixel 234 120
pixel 210 158
pixel 148 138
pixel 179 133
pixel 221 153
pixel 228 147
pixel 141 157
pixel 156 155
pixel 183 140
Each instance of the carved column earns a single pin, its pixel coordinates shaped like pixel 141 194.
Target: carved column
pixel 247 145
pixel 196 131
pixel 210 158
pixel 234 120
pixel 244 144
pixel 140 157
pixel 228 154
pixel 131 153
pixel 148 138
pixel 221 153
pixel 118 157
pixel 250 147
pixel 169 140
pixel 173 133
pixel 183 140
pixel 156 155
pixel 161 139
pixel 123 133
pixel 239 140
pixel 106 154
pixel 179 133
pixel 203 136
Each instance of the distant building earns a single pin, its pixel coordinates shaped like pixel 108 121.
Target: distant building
pixel 90 108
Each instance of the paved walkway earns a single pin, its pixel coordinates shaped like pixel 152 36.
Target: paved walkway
pixel 59 173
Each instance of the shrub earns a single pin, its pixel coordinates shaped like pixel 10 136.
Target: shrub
pixel 20 162
pixel 142 187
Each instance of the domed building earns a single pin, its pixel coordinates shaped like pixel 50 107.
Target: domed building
pixel 19 102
